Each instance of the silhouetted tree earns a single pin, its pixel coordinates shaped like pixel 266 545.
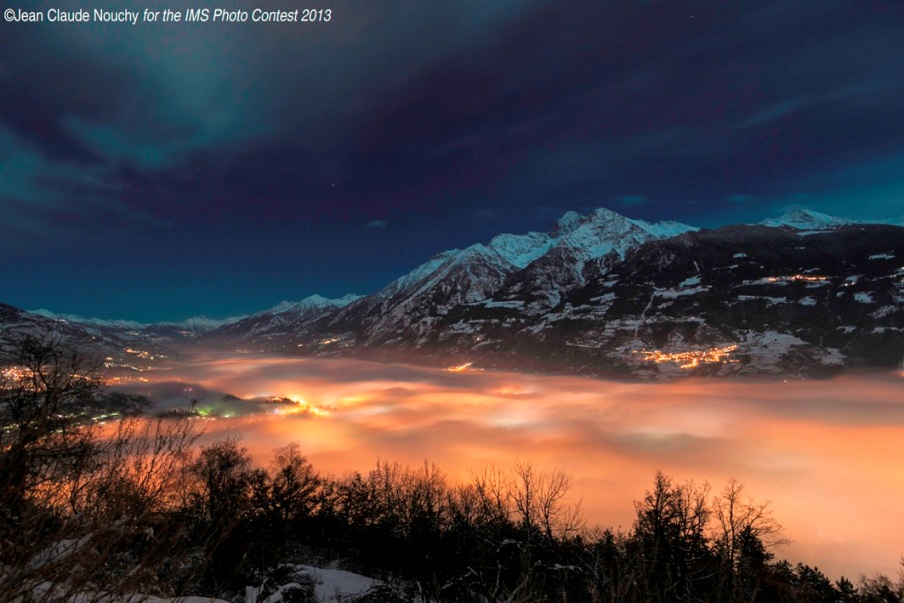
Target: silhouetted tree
pixel 219 501
pixel 44 391
pixel 745 530
pixel 82 512
pixel 670 533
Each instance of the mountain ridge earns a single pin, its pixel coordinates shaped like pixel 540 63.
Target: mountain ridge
pixel 601 294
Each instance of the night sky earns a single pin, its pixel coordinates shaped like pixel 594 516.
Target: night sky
pixel 159 171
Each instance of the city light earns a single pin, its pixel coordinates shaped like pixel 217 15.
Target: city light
pixel 690 359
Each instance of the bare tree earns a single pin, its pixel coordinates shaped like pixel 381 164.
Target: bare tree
pixel 82 512
pixel 492 491
pixel 45 448
pixel 670 531
pixel 744 532
pixel 738 519
pixel 44 392
pixel 558 518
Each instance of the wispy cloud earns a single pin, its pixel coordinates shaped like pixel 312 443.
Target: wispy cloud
pixel 38 191
pixel 633 199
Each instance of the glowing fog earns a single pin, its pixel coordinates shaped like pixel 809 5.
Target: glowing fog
pixel 828 454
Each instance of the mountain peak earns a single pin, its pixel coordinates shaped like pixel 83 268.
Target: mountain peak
pixel 96 322
pixel 567 223
pixel 346 299
pixel 603 215
pixel 313 302
pixel 805 219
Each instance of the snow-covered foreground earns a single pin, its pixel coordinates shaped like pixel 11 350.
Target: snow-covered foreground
pixel 330 586
pixel 337 585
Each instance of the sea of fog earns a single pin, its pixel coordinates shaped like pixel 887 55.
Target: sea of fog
pixel 827 454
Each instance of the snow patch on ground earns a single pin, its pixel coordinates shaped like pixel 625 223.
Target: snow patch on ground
pixel 503 304
pixel 769 300
pixel 607 298
pixel 672 293
pixel 463 327
pixel 764 281
pixel 768 348
pixel 884 311
pixel 332 585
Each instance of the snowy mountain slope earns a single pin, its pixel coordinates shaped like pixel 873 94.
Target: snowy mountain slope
pixel 780 303
pixel 790 304
pixel 195 323
pixel 542 266
pixel 98 322
pixel 808 221
pixel 312 303
pixel 112 345
pixel 804 294
pixel 599 239
pixel 283 320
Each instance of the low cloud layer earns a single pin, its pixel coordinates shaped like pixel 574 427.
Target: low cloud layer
pixel 827 453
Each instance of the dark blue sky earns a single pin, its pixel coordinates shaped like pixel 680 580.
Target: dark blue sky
pixel 159 171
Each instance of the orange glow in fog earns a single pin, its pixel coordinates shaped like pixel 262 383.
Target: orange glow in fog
pixel 827 454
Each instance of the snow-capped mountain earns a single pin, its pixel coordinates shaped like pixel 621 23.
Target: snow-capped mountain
pixel 285 320
pixel 581 247
pixel 195 323
pixel 804 294
pixel 808 221
pixel 111 343
pixel 603 294
pixel 313 303
pixel 97 322
pixel 541 267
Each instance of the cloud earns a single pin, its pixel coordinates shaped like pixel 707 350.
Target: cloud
pixel 779 110
pixel 39 192
pixel 736 198
pixel 633 199
pixel 112 143
pixel 377 225
pixel 798 443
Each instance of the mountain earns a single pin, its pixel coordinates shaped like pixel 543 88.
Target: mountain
pixel 534 270
pixel 807 221
pixel 194 324
pixel 97 322
pixel 113 344
pixel 771 300
pixel 580 248
pixel 282 324
pixel 805 294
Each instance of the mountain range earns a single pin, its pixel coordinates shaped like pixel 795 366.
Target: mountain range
pixel 803 295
